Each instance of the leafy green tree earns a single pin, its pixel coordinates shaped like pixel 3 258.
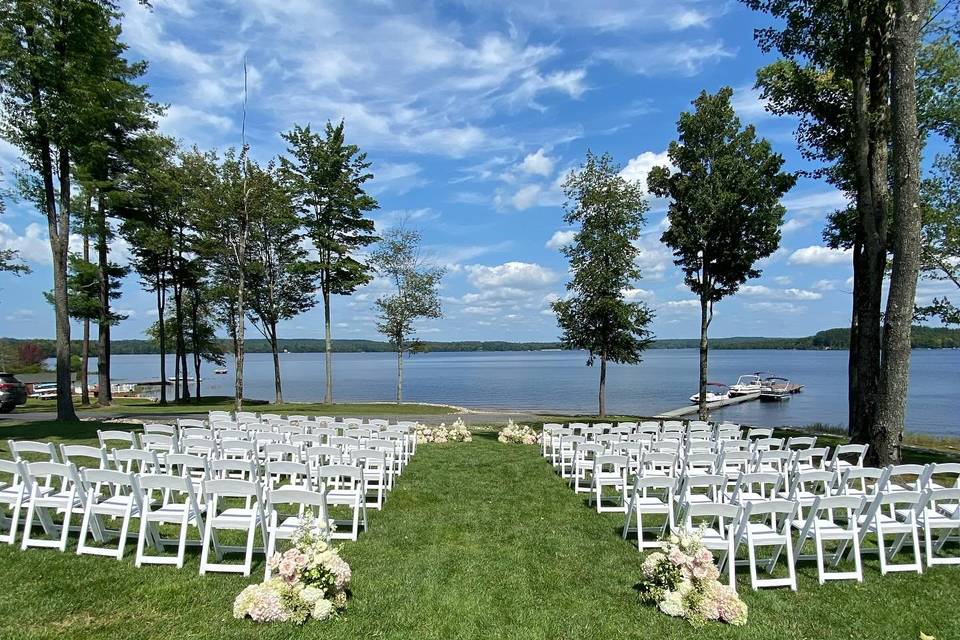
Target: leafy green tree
pixel 609 213
pixel 282 277
pixel 416 296
pixel 58 71
pixel 725 212
pixel 326 177
pixel 10 258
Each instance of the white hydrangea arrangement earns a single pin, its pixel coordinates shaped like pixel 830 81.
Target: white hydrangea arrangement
pixel 457 432
pixel 518 434
pixel 312 582
pixel 682 581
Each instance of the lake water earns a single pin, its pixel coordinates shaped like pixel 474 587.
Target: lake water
pixel 559 380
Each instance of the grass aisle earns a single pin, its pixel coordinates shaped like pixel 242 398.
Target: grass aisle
pixel 478 540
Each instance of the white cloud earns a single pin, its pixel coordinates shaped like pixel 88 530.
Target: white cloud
pixel 793 224
pixel 775 307
pixel 782 280
pixel 677 58
pixel 639 167
pixel 762 291
pixel 637 295
pixel 821 202
pixel 820 256
pixel 748 104
pixel 33 245
pixel 825 285
pixel 538 164
pixel 679 305
pixel 398 177
pixel 518 275
pixel 526 197
pixel 561 238
pixel 399 217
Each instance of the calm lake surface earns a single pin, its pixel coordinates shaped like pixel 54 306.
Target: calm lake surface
pixel 558 380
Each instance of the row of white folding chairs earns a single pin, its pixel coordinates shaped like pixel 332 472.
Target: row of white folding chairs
pixel 577 463
pixel 378 460
pixel 755 522
pixel 45 489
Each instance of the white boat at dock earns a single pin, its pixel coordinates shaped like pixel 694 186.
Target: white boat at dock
pixel 746 385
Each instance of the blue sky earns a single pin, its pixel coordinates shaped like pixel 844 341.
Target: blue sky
pixel 472 112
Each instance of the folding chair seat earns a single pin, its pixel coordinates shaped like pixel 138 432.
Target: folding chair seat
pixel 942 475
pixel 698 445
pixel 374 466
pixel 15 490
pixel 284 526
pixel 248 419
pixel 161 429
pixel 900 521
pixel 226 469
pixel 650 496
pixel 178 507
pixel 938 511
pixel 109 494
pixel 855 452
pixel 609 471
pixel 305 440
pixel 699 489
pixel 84 456
pixel 250 518
pixel 285 473
pixel 756 487
pixel 717 525
pixel 823 526
pixel 583 458
pixel 728 433
pixel 767 523
pixel 807 487
pixel 701 464
pixel 345 444
pixel 32 451
pixel 666 446
pixel 344 486
pixel 734 444
pixel 777 461
pixel 55 488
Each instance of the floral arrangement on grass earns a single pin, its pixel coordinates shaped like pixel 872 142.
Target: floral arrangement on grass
pixel 518 434
pixel 457 432
pixel 682 581
pixel 311 582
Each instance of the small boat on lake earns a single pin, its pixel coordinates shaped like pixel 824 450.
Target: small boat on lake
pixel 777 389
pixel 716 391
pixel 746 385
pixel 221 372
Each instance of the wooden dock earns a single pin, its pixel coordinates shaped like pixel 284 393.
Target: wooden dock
pixel 693 408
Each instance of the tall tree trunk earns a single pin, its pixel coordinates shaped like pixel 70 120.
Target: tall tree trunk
pixel 105 394
pixel 603 385
pixel 161 309
pixel 240 348
pixel 176 371
pixel 702 384
pixel 870 84
pixel 195 330
pixel 85 348
pixel 399 375
pixel 275 347
pixel 183 383
pixel 906 230
pixel 328 340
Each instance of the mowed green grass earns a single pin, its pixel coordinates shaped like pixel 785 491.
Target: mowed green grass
pixel 478 540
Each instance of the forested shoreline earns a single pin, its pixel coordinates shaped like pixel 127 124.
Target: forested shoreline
pixel 833 339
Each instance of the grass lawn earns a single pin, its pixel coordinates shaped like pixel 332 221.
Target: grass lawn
pixel 478 540
pixel 213 403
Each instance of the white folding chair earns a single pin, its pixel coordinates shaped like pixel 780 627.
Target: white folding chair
pixel 650 496
pixel 609 471
pixel 282 526
pixel 136 461
pixel 115 439
pixel 84 456
pixel 47 499
pixel 583 457
pixel 284 472
pixel 30 450
pixel 15 493
pixel 938 511
pixel 856 452
pixel 249 518
pixel 902 524
pixel 374 466
pixel 767 523
pixel 161 429
pixel 823 526
pixel 178 507
pixel 344 486
pixel 717 526
pixel 110 494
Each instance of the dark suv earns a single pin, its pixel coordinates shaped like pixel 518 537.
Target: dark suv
pixel 12 392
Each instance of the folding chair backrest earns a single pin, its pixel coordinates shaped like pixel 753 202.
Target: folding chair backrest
pixel 323 455
pixel 666 446
pixel 294 473
pixel 52 473
pixel 266 417
pixel 702 461
pixel 225 468
pixel 287 495
pixel 767 444
pixel 817 482
pixel 136 460
pixel 199 446
pixel 282 451
pixel 159 442
pixel 82 455
pixel 852 504
pixel 196 432
pixel 185 423
pixel 115 482
pixel 765 485
pixel 185 464
pixel 945 474
pixel 32 450
pixel 658 463
pixel 110 438
pixel 759 432
pixel 305 439
pixel 662 483
pixel 712 485
pixel 238 449
pixel 13 475
pixel 767 507
pixel 909 476
pixel 340 474
pixel 369 458
pixel 857 451
pixel 735 445
pixel 801 442
pixel 165 429
pixel 730 512
pixel 861 476
pixel 231 488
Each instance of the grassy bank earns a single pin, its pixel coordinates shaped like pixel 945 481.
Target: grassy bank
pixel 143 406
pixel 478 540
